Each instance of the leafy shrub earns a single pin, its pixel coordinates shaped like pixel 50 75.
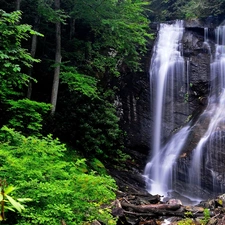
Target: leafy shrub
pixel 59 189
pixel 27 115
pixel 206 218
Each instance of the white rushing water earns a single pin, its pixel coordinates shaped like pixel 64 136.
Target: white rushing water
pixel 167 79
pixel 215 111
pixel 159 171
pixel 167 67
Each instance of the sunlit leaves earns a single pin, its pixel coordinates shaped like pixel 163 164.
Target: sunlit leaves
pixel 84 84
pixel 59 189
pixel 27 115
pixel 15 203
pixel 12 56
pixel 119 25
pixel 7 202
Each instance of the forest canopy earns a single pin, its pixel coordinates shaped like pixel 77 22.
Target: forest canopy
pixel 181 9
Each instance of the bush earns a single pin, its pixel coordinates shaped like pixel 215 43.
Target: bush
pixel 60 189
pixel 27 115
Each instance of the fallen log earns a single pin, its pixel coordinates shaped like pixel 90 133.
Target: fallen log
pixel 155 210
pixel 151 207
pixel 164 213
pixel 151 198
pixel 156 213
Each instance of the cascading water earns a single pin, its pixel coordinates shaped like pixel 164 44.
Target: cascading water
pixel 215 111
pixel 206 38
pixel 167 77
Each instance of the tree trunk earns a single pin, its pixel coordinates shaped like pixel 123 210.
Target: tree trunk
pixel 55 86
pixel 18 2
pixel 33 52
pixel 72 28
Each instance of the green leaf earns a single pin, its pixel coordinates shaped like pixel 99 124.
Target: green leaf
pixel 15 204
pixel 24 199
pixel 9 189
pixel 9 208
pixel 7 64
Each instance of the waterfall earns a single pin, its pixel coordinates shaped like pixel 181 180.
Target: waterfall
pixel 202 154
pixel 206 39
pixel 163 165
pixel 167 79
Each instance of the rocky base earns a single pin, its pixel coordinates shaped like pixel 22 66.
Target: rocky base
pixel 135 206
pixel 144 209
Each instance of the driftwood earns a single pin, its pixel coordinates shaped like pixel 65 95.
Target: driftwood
pixel 155 210
pixel 148 209
pixel 150 198
pixel 156 213
pixel 131 196
pixel 151 207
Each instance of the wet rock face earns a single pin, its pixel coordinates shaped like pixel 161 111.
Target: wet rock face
pixel 135 94
pixel 134 101
pixel 212 160
pixel 135 120
pixel 215 161
pixel 197 54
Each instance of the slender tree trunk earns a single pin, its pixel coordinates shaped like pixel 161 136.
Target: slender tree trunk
pixel 58 57
pixel 33 52
pixel 72 28
pixel 18 2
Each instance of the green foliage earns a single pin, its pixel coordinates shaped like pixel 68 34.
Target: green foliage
pixel 59 189
pixel 122 157
pixel 188 214
pixel 117 34
pixel 200 8
pixel 186 97
pixel 27 115
pixel 182 9
pixel 93 127
pixel 206 218
pixel 186 221
pixel 7 202
pixel 45 9
pixel 98 166
pixel 12 56
pixel 84 84
pixel 189 221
